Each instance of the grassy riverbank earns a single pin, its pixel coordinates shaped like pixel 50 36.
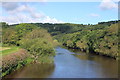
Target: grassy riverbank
pixel 13 60
pixel 18 58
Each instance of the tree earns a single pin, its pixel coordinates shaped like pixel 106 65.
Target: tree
pixel 24 28
pixel 9 36
pixel 38 43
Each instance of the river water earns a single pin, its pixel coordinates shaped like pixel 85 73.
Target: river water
pixel 70 64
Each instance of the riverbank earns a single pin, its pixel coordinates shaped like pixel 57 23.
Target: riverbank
pixel 14 61
pixel 67 65
pixel 97 39
pixel 20 58
pixel 91 52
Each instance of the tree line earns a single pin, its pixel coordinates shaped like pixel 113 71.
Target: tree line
pixel 101 38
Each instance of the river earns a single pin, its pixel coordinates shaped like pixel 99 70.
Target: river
pixel 69 64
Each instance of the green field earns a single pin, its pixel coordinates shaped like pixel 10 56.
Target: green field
pixel 9 50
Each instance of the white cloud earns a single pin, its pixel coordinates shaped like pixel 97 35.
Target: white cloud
pixel 21 18
pixel 17 8
pixel 37 15
pixel 94 15
pixel 108 4
pixel 14 19
pixel 47 19
pixel 24 13
pixel 9 6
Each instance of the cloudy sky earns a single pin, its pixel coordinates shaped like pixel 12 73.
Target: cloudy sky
pixel 58 12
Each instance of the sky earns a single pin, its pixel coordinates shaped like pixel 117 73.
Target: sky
pixel 58 12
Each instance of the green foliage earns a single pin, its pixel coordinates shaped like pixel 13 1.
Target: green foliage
pixel 56 29
pixel 23 29
pixel 12 35
pixel 38 42
pixel 38 47
pixel 9 36
pixel 69 43
pixel 28 36
pixel 45 59
pixel 4 24
pixel 102 39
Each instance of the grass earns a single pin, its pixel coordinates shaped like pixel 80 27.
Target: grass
pixel 4 48
pixel 10 50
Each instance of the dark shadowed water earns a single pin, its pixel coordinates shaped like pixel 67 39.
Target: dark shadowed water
pixel 71 65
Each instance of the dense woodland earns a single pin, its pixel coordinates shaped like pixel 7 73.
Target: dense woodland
pixel 38 38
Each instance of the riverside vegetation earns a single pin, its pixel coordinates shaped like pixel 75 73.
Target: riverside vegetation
pixel 36 41
pixel 101 38
pixel 36 45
